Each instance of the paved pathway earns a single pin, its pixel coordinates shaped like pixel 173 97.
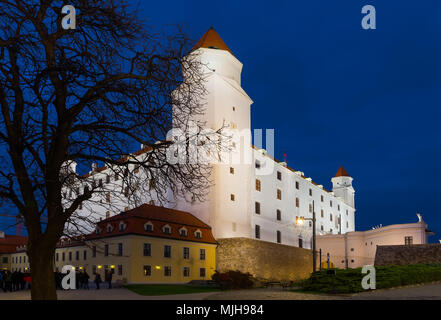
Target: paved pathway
pixel 418 292
pixel 104 294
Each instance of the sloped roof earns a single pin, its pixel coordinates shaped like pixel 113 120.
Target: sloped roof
pixel 342 172
pixel 211 39
pixel 159 217
pixel 9 243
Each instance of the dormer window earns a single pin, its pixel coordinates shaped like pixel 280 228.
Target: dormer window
pixel 148 227
pixel 198 234
pixel 97 231
pixel 183 232
pixel 166 229
pixel 109 228
pixel 122 226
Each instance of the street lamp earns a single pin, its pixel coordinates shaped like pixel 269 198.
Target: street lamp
pixel 300 221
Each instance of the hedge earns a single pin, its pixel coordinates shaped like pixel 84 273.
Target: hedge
pixel 349 280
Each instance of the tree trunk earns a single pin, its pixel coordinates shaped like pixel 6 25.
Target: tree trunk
pixel 42 273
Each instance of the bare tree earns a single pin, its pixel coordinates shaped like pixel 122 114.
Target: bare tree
pixel 83 97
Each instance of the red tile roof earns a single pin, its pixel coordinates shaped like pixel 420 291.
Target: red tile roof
pixel 211 39
pixel 136 218
pixel 9 243
pixel 342 172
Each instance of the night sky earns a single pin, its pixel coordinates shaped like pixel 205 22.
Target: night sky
pixel 337 94
pixel 340 95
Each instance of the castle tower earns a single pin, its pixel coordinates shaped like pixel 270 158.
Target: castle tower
pixel 228 204
pixel 342 186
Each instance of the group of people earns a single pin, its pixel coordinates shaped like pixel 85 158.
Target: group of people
pixel 82 279
pixel 14 281
pixel 107 278
pixel 17 280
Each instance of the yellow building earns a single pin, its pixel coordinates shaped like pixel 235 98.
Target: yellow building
pixel 148 244
pixel 13 252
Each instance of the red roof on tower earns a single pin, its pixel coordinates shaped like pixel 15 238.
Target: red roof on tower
pixel 211 39
pixel 342 172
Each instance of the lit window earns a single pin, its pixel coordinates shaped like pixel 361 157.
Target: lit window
pixel 258 185
pixel 147 271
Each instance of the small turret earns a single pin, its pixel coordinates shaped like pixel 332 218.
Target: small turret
pixel 342 186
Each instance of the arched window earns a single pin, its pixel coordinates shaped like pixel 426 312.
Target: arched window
pixel 183 232
pixel 166 229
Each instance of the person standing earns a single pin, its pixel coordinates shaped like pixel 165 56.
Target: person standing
pixel 97 280
pixel 109 279
pixel 85 280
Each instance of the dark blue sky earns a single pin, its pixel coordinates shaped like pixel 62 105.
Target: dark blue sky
pixel 340 95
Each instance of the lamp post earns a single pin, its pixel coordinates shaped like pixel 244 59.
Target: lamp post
pixel 300 220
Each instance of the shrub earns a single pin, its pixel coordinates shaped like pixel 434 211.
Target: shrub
pixel 233 279
pixel 349 280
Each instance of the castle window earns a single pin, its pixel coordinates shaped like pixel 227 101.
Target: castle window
pixel 257 207
pixel 234 108
pixel 300 243
pixel 231 170
pixel 279 175
pixel 310 207
pixel 322 213
pixel 232 197
pixel 147 271
pixel 258 185
pixel 186 253
pixel 120 249
pixel 297 202
pixel 330 203
pixel 202 272
pixel 257 231
pixel 321 198
pixel 106 250
pixel 347 212
pixel 70 256
pixel 257 164
pixel 201 254
pixel 408 240
pixel 167 251
pixel 148 227
pixel 147 250
pixel 198 234
pixel 167 271
pixel 297 185
pixel 166 229
pixel 109 228
pixel 122 226
pixel 347 224
pixel 310 192
pixel 330 217
pixel 279 237
pixel 279 215
pixel 183 232
pixel 186 271
pixel 338 207
pixel 279 194
pixel 321 228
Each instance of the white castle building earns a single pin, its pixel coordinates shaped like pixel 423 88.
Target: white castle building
pixel 247 199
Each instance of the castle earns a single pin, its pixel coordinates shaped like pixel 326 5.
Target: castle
pixel 247 200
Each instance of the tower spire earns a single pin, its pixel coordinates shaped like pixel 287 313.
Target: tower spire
pixel 211 39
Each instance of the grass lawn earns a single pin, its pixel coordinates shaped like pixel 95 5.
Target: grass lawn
pixel 165 289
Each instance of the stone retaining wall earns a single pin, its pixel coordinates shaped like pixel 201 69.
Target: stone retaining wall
pixel 264 260
pixel 408 254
